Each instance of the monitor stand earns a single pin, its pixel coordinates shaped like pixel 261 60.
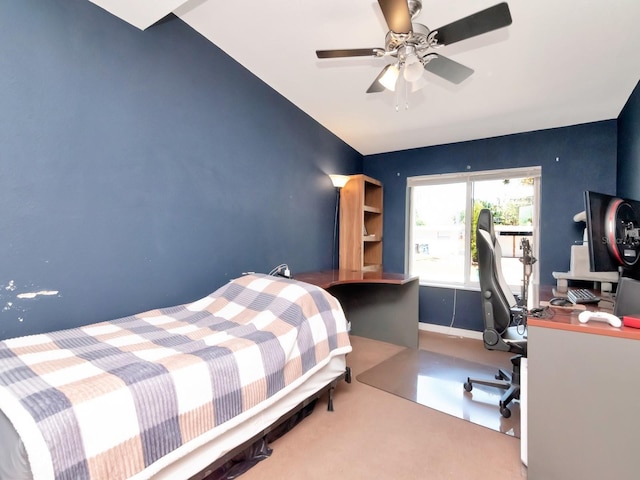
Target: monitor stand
pixel 580 270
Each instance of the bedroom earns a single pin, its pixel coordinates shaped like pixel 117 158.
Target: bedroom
pixel 147 169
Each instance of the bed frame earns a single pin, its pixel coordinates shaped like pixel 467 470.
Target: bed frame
pixel 257 447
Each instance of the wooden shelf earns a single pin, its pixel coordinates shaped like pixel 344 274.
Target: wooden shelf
pixel 361 211
pixel 372 268
pixel 370 209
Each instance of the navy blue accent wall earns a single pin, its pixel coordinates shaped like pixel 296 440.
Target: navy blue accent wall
pixel 629 147
pixel 451 307
pixel 573 159
pixel 145 169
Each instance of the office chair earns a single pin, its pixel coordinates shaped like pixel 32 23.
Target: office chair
pixel 500 311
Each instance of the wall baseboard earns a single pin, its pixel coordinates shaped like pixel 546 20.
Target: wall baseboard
pixel 458 332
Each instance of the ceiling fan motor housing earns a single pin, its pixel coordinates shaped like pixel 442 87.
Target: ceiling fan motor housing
pixel 415 6
pixel 418 38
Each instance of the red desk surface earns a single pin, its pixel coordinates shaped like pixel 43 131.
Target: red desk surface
pixel 566 318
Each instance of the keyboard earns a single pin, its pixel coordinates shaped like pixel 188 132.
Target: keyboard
pixel 582 295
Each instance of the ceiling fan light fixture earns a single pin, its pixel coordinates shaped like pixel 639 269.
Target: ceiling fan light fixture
pixel 418 84
pixel 390 78
pixel 413 70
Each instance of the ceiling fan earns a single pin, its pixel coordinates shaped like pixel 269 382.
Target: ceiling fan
pixel 412 44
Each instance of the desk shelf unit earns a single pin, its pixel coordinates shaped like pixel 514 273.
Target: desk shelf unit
pixel 361 224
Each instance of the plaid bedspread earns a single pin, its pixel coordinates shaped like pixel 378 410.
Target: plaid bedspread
pixel 106 401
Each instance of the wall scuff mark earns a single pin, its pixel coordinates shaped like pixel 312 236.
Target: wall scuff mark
pixel 35 294
pixel 13 302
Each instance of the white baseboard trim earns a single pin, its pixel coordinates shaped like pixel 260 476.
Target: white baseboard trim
pixel 456 332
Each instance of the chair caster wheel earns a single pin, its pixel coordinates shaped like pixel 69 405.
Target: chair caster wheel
pixel 506 413
pixel 467 386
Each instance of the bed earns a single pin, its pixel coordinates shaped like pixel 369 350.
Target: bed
pixel 171 392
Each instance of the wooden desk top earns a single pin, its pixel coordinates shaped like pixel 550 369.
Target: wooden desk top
pixel 330 278
pixel 566 318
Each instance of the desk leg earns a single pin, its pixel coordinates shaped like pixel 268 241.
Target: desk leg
pixel 385 312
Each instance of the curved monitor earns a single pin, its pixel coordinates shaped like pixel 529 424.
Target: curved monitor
pixel 613 233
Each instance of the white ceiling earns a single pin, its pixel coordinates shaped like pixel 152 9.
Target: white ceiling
pixel 561 62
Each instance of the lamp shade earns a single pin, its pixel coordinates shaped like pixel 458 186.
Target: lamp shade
pixel 418 84
pixel 413 70
pixel 339 181
pixel 390 77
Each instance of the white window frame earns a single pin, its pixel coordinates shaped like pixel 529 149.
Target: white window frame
pixel 534 172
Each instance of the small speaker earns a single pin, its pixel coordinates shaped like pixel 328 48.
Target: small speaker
pixel 627 298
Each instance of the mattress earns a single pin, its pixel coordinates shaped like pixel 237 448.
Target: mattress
pixel 166 392
pixel 14 464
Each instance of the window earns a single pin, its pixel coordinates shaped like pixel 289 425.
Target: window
pixel 442 219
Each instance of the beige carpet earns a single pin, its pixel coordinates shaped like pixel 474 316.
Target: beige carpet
pixel 436 381
pixel 375 435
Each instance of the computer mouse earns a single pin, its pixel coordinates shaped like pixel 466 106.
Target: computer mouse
pixel 560 302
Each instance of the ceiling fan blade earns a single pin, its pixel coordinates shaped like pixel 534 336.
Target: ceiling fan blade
pixel 353 52
pixel 396 14
pixel 376 86
pixel 448 69
pixel 478 23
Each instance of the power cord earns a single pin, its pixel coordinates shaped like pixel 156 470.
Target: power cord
pixel 520 322
pixel 281 270
pixel 453 314
pixel 540 312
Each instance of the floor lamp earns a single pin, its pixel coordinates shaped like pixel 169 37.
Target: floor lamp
pixel 338 181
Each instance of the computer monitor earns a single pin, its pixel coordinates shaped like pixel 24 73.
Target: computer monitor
pixel 613 234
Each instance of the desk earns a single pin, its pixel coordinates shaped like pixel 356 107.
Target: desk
pixel 382 306
pixel 582 396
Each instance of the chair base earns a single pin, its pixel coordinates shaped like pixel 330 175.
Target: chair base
pixel 504 380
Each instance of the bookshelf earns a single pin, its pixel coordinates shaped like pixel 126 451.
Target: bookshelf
pixel 361 213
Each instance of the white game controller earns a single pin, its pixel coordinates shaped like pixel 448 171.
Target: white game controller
pixel 610 318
